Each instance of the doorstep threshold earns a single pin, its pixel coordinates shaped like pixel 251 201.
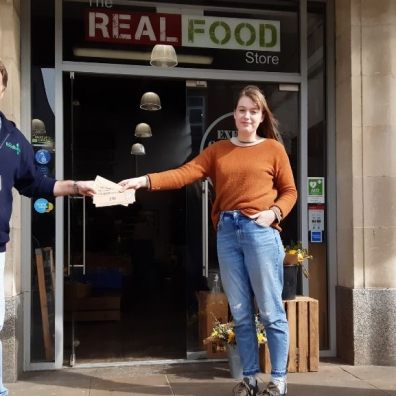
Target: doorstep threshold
pixel 155 362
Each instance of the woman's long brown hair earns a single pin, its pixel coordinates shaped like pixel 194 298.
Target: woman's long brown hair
pixel 269 127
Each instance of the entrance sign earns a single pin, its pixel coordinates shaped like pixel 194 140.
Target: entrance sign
pixel 230 33
pixel 316 190
pixel 132 28
pixel 258 41
pixel 182 30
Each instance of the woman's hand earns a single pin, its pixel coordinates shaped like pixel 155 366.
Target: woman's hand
pixel 264 218
pixel 135 183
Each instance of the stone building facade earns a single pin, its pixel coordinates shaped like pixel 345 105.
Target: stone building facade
pixel 365 135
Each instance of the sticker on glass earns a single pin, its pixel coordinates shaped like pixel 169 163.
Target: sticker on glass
pixel 43 156
pixel 41 205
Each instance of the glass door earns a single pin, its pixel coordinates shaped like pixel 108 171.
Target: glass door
pixel 125 274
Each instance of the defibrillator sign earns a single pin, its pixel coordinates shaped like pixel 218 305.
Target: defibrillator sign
pixel 316 190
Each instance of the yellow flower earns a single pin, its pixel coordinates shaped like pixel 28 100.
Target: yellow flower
pixel 231 338
pixel 302 255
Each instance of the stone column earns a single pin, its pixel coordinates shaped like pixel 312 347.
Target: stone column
pixel 366 183
pixel 11 106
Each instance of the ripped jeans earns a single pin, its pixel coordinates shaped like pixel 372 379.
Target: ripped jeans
pixel 251 266
pixel 3 390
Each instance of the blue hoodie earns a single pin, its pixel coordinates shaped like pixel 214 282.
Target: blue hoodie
pixel 17 169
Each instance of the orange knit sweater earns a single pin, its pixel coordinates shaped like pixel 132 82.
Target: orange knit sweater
pixel 250 179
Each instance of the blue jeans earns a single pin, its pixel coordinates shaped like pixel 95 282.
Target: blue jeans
pixel 3 390
pixel 251 266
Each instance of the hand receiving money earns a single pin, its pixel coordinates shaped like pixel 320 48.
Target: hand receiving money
pixel 109 193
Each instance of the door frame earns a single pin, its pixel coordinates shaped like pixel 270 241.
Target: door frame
pixel 177 73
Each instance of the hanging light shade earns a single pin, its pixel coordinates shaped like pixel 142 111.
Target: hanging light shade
pixel 150 101
pixel 38 127
pixel 138 149
pixel 143 130
pixel 163 55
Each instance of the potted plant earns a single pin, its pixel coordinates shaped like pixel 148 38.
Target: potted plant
pixel 223 334
pixel 295 257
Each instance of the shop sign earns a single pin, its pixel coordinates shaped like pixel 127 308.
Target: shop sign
pixel 103 25
pixel 132 28
pixel 231 33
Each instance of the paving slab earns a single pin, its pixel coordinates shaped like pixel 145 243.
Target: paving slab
pixel 200 379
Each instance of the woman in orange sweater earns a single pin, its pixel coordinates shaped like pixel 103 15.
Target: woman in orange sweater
pixel 254 191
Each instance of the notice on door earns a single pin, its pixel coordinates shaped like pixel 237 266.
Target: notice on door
pixel 316 222
pixel 316 190
pixel 316 218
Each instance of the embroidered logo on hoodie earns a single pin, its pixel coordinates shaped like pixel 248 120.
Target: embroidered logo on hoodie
pixel 14 147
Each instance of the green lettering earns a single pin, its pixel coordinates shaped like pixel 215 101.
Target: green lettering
pixel 273 33
pixel 192 29
pixel 238 37
pixel 212 32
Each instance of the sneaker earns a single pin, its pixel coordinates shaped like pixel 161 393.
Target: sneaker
pixel 272 390
pixel 245 389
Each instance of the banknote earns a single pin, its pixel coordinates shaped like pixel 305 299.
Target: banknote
pixel 109 193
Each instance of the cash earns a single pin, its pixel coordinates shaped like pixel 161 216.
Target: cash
pixel 109 193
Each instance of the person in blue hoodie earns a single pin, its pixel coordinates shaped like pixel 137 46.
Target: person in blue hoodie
pixel 17 169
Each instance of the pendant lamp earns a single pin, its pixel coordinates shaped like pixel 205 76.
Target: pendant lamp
pixel 163 55
pixel 150 101
pixel 143 130
pixel 38 127
pixel 138 149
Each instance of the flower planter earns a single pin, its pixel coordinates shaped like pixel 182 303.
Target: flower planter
pixel 234 361
pixel 290 259
pixel 289 282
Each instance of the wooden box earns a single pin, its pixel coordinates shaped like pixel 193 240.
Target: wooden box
pixel 211 306
pixel 303 317
pixel 95 308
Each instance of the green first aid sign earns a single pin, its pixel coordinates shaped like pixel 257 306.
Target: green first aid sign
pixel 316 190
pixel 230 33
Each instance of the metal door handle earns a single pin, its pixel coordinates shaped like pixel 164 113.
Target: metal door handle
pixel 205 236
pixel 70 265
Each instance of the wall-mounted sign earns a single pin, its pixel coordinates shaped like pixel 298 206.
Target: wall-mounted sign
pixel 182 30
pixel 316 189
pixel 316 218
pixel 316 237
pixel 230 33
pixel 110 26
pixel 264 41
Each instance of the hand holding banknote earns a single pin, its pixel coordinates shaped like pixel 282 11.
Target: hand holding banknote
pixel 109 193
pixel 135 183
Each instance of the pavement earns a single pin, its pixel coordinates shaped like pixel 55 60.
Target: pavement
pixel 200 379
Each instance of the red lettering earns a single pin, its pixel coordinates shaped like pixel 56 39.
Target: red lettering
pixel 133 28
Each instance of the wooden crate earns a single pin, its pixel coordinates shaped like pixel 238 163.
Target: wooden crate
pixel 94 308
pixel 303 317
